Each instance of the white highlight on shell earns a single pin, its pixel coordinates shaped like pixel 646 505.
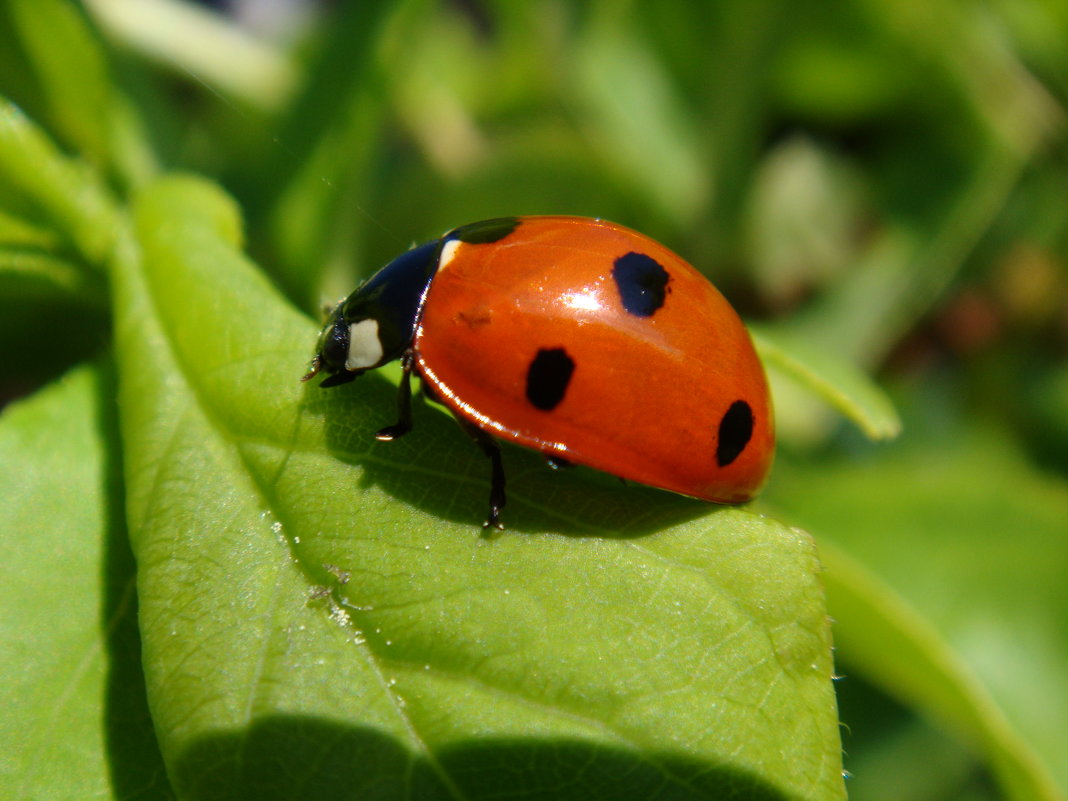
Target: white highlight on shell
pixel 583 301
pixel 365 348
pixel 448 252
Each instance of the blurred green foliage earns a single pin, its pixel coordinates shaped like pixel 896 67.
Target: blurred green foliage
pixel 881 183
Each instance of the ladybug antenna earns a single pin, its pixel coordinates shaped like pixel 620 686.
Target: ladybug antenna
pixel 313 368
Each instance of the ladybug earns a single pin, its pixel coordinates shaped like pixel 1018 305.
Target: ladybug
pixel 577 337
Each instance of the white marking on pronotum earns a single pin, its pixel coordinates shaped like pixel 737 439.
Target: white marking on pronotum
pixel 365 348
pixel 448 252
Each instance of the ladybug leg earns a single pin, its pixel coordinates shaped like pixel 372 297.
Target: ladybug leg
pixel 497 497
pixel 404 404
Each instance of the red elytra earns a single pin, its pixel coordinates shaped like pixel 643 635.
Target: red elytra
pixel 579 338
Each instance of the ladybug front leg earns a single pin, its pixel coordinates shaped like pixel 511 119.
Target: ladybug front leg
pixel 497 497
pixel 404 403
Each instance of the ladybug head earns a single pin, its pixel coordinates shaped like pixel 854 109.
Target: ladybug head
pixel 354 340
pixel 332 351
pixel 376 323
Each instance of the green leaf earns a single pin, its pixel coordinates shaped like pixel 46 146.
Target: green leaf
pixel 893 644
pixel 15 231
pixel 950 590
pixel 206 45
pixel 838 383
pixel 46 188
pixel 75 722
pixel 27 269
pixel 321 616
pixel 623 99
pixel 330 136
pixel 904 269
pixel 57 224
pixel 70 69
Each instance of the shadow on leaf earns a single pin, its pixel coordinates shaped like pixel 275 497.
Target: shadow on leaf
pixel 134 757
pixel 437 468
pixel 285 757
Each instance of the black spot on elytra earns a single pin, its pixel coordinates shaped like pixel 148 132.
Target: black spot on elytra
pixel 735 431
pixel 547 378
pixel 642 283
pixel 485 232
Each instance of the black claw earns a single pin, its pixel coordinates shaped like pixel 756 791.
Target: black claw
pixel 494 520
pixel 390 433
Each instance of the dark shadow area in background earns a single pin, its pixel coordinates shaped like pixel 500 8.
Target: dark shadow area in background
pixel 45 333
pixel 926 762
pixel 134 758
pixel 590 503
pixel 290 757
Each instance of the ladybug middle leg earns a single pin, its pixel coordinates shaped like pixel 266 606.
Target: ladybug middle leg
pixel 488 444
pixel 497 497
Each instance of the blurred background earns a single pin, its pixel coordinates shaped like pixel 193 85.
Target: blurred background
pixel 882 182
